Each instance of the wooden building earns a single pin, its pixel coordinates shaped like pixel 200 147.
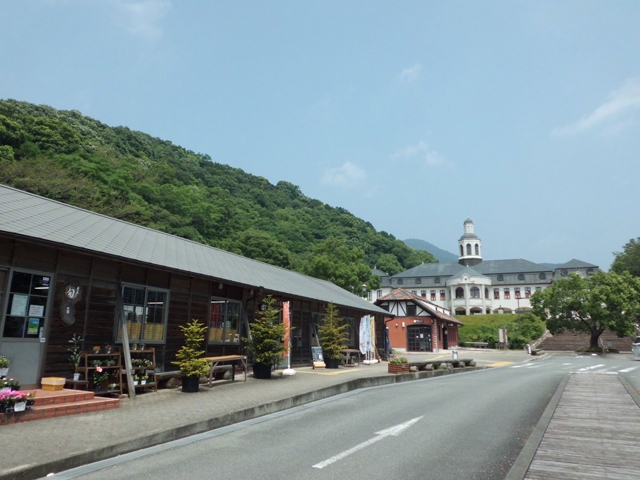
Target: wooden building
pixel 63 269
pixel 417 325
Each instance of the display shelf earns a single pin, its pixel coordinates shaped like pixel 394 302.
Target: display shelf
pixel 143 363
pixel 110 364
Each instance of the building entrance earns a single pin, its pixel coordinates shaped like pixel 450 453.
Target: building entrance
pixel 419 338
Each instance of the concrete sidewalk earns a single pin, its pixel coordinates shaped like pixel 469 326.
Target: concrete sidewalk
pixel 34 449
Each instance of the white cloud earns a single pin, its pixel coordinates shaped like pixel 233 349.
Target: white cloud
pixel 421 151
pixel 613 113
pixel 410 74
pixel 142 17
pixel 345 175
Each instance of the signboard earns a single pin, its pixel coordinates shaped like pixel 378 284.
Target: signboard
pixel 317 358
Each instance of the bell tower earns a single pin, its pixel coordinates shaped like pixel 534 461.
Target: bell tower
pixel 470 246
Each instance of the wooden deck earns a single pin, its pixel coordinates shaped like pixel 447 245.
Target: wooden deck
pixel 594 433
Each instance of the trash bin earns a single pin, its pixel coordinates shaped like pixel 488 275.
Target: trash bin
pixel 455 354
pixel 528 349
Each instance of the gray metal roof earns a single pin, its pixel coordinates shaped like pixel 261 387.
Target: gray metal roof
pixel 469 271
pixel 36 217
pixel 574 263
pixel 516 265
pixel 431 270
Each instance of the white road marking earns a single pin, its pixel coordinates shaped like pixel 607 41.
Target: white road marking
pixel 630 369
pixel 586 369
pixel 394 431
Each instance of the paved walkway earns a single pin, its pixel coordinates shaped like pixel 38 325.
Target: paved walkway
pixel 590 430
pixel 34 449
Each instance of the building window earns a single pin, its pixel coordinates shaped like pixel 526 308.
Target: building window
pixel 507 294
pixel 517 292
pixel 475 292
pixel 415 292
pixel 433 295
pixel 538 289
pixel 468 249
pixel 443 295
pixel 400 281
pixel 589 271
pixel 500 278
pixel 459 292
pixel 145 313
pixel 423 293
pixel 527 292
pixel 370 295
pixel 378 293
pixel 26 309
pixel 411 310
pixel 225 321
pixel 496 294
pixel 418 281
pixel 486 292
pixel 542 276
pixel 521 276
pixel 477 250
pixel 461 251
pixel 436 280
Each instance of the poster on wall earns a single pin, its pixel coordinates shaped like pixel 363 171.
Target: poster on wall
pixel 36 310
pixel 19 305
pixel 34 325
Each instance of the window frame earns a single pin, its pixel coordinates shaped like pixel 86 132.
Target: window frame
pixel 143 324
pixel 226 301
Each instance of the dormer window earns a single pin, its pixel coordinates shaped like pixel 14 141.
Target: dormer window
pixel 542 276
pixel 400 281
pixel 500 278
pixel 436 280
pixel 521 276
pixel 418 281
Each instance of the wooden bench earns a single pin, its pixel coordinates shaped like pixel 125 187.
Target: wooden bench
pixel 537 352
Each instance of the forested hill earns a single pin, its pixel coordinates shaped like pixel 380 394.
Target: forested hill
pixel 132 176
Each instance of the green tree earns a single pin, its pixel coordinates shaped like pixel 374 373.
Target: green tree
pixel 389 264
pixel 629 259
pixel 604 301
pixel 261 246
pixel 334 261
pixel 267 332
pixel 332 333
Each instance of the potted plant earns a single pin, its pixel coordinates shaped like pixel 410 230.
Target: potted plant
pixel 399 365
pixel 143 379
pixel 4 366
pixel 96 349
pixel 99 377
pixel 75 356
pixel 189 358
pixel 136 379
pixel 265 344
pixel 332 336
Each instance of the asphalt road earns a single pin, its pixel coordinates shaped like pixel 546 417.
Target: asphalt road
pixel 466 426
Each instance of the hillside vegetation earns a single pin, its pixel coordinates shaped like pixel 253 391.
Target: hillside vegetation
pixel 132 176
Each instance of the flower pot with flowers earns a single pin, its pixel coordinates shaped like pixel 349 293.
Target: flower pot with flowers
pixel 143 379
pixel 4 366
pixel 399 365
pixel 9 385
pixel 15 401
pixel 100 376
pixel 136 379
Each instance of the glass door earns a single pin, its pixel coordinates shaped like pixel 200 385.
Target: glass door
pixel 26 308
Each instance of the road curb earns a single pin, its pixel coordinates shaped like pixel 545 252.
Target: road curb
pixel 521 465
pixel 28 472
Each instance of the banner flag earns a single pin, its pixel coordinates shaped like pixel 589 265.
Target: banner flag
pixel 287 324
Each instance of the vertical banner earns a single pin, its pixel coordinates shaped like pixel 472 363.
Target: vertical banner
pixel 286 320
pixel 365 335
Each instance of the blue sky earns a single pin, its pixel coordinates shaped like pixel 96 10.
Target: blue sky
pixel 413 115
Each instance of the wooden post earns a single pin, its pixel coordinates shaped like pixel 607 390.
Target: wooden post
pixel 125 343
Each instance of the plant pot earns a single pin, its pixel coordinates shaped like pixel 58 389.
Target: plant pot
pixel 142 382
pixel 191 384
pixel 19 406
pixel 76 377
pixel 399 368
pixel 262 371
pixel 4 371
pixel 332 362
pixel 135 382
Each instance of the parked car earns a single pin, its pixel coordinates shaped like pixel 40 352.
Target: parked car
pixel 635 349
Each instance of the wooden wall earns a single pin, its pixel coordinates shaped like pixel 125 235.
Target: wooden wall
pixel 95 311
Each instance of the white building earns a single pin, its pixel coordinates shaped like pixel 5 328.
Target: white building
pixel 476 286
